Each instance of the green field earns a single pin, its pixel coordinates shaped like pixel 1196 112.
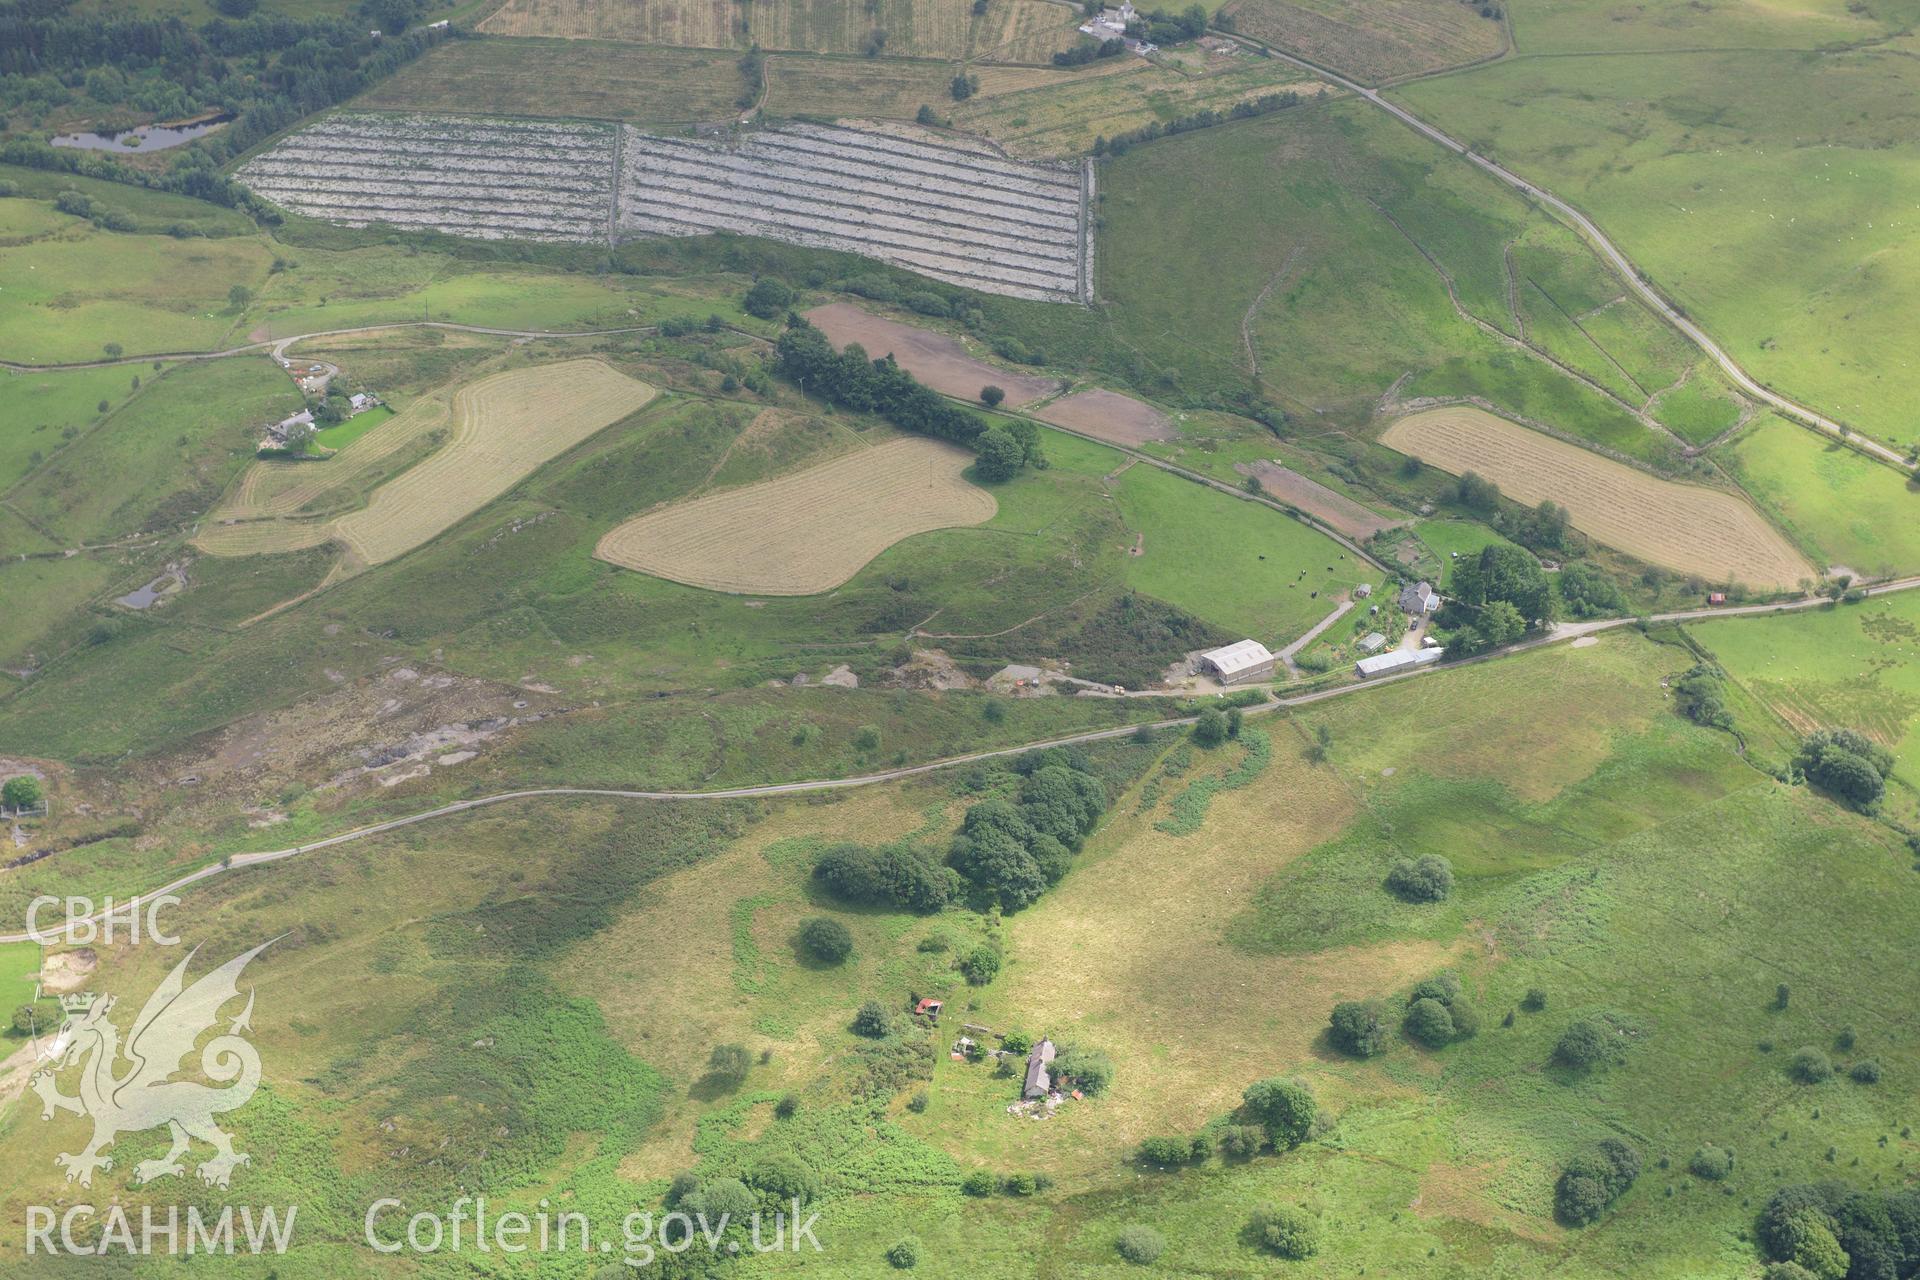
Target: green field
pixel 611 945
pixel 40 413
pixel 1849 509
pixel 67 289
pixel 1240 564
pixel 1454 540
pixel 1850 666
pixel 342 434
pixel 1769 193
pixel 1316 248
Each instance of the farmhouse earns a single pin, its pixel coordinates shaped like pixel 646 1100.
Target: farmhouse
pixel 1419 597
pixel 1038 1078
pixel 277 432
pixel 1386 664
pixel 1372 642
pixel 1239 662
pixel 1111 24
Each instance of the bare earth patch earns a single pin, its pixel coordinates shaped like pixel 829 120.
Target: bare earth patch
pixel 934 358
pixel 1333 508
pixel 807 532
pixel 1110 416
pixel 1684 527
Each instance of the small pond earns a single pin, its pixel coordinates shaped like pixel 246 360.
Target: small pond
pixel 148 137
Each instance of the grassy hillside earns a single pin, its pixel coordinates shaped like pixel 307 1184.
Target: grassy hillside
pixel 612 946
pixel 1767 192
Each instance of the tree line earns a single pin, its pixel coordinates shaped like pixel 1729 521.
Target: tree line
pixel 804 356
pixel 1121 143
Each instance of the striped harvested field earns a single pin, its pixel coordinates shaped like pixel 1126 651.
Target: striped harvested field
pixel 503 428
pixel 912 28
pixel 488 179
pixel 1683 527
pixel 565 79
pixel 959 213
pixel 807 532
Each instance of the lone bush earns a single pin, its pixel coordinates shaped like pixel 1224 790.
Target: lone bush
pixel 1865 1071
pixel 826 940
pixel 1535 1000
pixel 979 1183
pixel 1428 878
pixel 1140 1245
pixel 1242 1140
pixel 872 1020
pixel 22 792
pixel 980 965
pixel 1594 1180
pixel 1810 1066
pixel 1286 1231
pixel 905 1254
pixel 1164 1153
pixel 1584 1045
pixel 767 298
pixel 1284 1108
pixel 1430 1023
pixel 785 1178
pixel 1359 1027
pixel 1712 1163
pixel 729 1063
pixel 991 396
pixel 1090 1069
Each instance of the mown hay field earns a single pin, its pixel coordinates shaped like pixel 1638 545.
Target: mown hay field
pixel 503 428
pixel 914 28
pixel 804 85
pixel 1374 41
pixel 808 532
pixel 1064 112
pixel 564 78
pixel 1677 526
pixel 1024 31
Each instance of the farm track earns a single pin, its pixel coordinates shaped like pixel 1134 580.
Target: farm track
pixel 1561 633
pixel 1614 255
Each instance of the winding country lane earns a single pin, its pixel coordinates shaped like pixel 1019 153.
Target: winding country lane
pixel 1607 249
pixel 1558 634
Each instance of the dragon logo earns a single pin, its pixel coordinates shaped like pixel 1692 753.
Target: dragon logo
pixel 142 1096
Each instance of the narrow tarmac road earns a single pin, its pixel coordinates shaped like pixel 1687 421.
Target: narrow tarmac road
pixel 1560 633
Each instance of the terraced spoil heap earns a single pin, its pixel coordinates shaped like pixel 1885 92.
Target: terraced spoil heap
pixel 488 179
pixel 962 215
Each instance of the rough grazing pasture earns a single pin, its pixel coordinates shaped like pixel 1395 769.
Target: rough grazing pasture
pixel 1374 40
pixel 915 28
pixel 564 78
pixel 934 358
pixel 1110 416
pixel 1849 509
pixel 809 532
pixel 502 428
pixel 1850 666
pixel 1677 526
pixel 1770 193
